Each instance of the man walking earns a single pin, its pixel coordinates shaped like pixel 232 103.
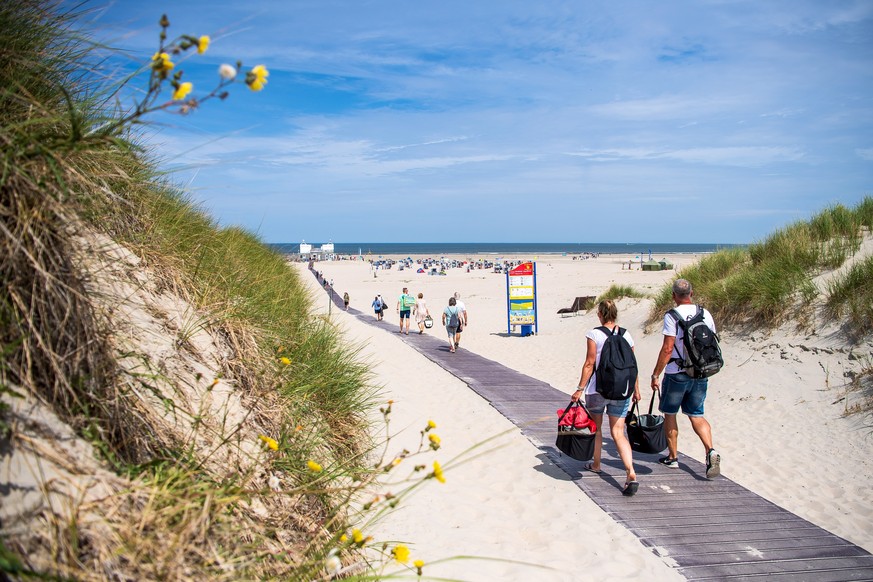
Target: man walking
pixel 462 318
pixel 404 307
pixel 680 389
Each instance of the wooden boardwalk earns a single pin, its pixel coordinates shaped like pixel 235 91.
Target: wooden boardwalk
pixel 707 530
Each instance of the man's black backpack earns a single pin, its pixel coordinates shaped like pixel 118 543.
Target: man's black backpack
pixel 617 371
pixel 702 353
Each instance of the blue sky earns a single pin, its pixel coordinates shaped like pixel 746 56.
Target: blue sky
pixel 503 120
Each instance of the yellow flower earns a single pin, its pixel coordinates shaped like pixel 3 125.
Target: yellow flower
pixel 438 472
pixel 285 361
pixel 270 442
pixel 344 538
pixel 419 564
pixel 357 536
pixel 434 441
pixel 431 425
pixel 401 553
pixel 202 44
pixel 182 91
pixel 314 467
pixel 257 77
pixel 161 62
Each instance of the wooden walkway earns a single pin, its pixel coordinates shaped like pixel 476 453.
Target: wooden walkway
pixel 707 530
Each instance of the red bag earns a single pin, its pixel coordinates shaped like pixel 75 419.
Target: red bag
pixel 576 417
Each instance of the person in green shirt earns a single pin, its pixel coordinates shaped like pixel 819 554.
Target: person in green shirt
pixel 404 308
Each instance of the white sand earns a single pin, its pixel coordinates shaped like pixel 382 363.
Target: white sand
pixel 772 410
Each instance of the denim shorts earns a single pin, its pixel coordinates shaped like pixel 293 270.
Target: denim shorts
pixel 404 313
pixel 595 403
pixel 685 391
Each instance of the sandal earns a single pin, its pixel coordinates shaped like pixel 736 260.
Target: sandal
pixel 589 466
pixel 630 488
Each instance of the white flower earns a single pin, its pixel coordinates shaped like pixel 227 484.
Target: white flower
pixel 273 482
pixel 332 563
pixel 227 72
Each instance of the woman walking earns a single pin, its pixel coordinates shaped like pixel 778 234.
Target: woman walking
pixel 451 319
pixel 378 307
pixel 421 312
pixel 616 410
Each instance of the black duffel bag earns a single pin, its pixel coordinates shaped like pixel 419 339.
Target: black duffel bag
pixel 574 442
pixel 646 431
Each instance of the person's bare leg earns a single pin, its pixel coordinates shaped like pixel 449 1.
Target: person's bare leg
pixel 704 431
pixel 671 427
pixel 598 442
pixel 616 427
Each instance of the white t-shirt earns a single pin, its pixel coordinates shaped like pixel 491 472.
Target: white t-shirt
pixel 461 307
pixel 599 339
pixel 671 329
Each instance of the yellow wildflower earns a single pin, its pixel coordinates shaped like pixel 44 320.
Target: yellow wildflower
pixel 257 77
pixel 272 443
pixel 438 472
pixel 419 564
pixel 285 361
pixel 434 441
pixel 344 538
pixel 161 62
pixel 182 91
pixel 357 536
pixel 314 467
pixel 202 44
pixel 431 425
pixel 401 553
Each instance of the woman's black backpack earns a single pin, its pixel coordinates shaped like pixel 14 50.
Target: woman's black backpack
pixel 617 370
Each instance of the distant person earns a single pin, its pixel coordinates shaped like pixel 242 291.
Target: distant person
pixel 378 307
pixel 346 300
pixel 680 389
pixel 463 320
pixel 616 410
pixel 404 308
pixel 451 320
pixel 421 312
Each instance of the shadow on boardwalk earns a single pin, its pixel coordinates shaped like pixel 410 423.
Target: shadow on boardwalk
pixel 708 530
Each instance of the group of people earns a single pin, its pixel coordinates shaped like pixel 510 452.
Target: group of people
pixel 678 390
pixel 454 316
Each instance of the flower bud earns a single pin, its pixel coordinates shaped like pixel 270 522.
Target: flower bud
pixel 227 72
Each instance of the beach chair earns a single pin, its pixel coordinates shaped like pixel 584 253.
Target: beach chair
pixel 579 304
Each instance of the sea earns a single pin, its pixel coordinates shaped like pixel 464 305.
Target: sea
pixel 500 249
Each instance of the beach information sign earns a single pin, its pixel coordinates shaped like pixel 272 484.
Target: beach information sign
pixel 521 296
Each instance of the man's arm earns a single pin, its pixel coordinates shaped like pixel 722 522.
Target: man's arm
pixel 663 359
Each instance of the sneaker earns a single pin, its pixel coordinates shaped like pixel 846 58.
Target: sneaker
pixel 713 464
pixel 668 462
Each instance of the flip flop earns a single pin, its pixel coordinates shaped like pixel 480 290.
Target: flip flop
pixel 590 467
pixel 630 488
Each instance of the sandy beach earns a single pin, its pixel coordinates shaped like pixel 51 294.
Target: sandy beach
pixel 777 411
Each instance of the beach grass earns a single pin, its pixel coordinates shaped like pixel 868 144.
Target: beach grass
pixel 70 171
pixel 772 280
pixel 615 292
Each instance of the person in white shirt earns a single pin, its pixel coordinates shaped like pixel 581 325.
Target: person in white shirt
pixel 596 404
pixel 679 389
pixel 463 323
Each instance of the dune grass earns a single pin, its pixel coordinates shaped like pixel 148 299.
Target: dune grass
pixel 851 295
pixel 68 170
pixel 618 292
pixel 770 281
